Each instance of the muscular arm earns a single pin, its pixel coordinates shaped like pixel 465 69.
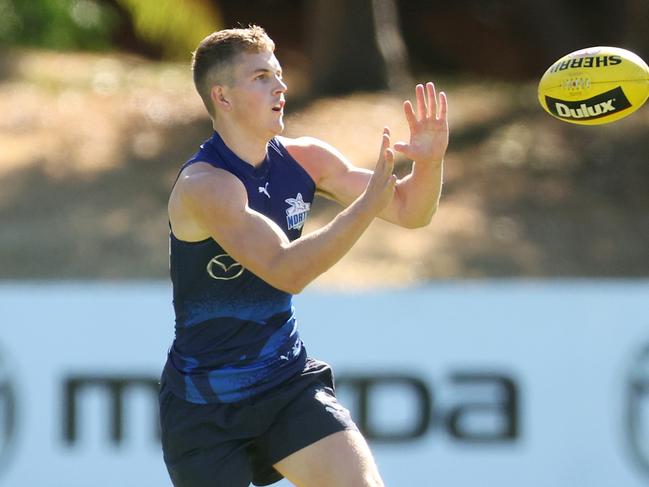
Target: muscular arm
pixel 416 195
pixel 216 201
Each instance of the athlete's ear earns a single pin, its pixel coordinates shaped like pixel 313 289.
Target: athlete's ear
pixel 220 98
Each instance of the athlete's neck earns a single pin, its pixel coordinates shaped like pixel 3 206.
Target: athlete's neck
pixel 249 148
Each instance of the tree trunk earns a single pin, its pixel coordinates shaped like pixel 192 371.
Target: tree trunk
pixel 355 45
pixel 637 19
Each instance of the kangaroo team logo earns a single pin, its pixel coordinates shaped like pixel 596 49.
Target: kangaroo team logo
pixel 224 268
pixel 297 212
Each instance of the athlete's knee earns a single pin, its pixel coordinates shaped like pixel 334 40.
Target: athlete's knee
pixel 372 480
pixel 371 477
pixel 366 474
pixel 364 470
pixel 368 480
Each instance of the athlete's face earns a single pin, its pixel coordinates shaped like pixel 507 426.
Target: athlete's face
pixel 256 96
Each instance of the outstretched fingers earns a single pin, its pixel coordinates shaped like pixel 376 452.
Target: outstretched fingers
pixel 380 187
pixel 443 106
pixel 432 100
pixel 385 141
pixel 430 105
pixel 409 111
pixel 385 164
pixel 428 124
pixel 422 106
pixel 389 162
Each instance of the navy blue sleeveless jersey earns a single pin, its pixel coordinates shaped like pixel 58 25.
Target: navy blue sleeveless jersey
pixel 236 334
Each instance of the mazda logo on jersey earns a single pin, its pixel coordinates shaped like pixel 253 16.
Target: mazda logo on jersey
pixel 7 412
pixel 637 410
pixel 224 268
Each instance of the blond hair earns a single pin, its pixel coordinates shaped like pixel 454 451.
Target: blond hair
pixel 213 58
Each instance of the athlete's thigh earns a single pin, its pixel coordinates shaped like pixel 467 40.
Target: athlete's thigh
pixel 342 459
pixel 209 469
pixel 197 451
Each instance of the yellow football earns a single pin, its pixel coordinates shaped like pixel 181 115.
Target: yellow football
pixel 594 86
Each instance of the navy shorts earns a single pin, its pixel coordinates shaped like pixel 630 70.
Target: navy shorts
pixel 231 445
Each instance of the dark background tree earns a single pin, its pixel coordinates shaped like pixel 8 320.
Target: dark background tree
pixel 524 194
pixel 355 45
pixel 347 45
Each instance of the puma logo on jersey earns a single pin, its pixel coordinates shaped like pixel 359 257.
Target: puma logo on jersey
pixel 264 189
pixel 297 212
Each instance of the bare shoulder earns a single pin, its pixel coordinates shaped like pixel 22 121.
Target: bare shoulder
pixel 202 188
pixel 317 157
pixel 201 180
pixel 309 147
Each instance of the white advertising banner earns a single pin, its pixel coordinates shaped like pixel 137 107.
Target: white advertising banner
pixel 503 383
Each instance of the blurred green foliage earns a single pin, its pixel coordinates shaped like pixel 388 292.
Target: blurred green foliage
pixel 175 26
pixel 57 24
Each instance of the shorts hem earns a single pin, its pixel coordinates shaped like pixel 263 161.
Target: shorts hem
pixel 307 438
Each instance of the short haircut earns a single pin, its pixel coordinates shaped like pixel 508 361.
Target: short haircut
pixel 213 58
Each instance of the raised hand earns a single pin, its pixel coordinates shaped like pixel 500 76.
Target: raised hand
pixel 428 126
pixel 380 187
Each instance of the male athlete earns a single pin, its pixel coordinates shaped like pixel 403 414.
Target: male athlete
pixel 240 399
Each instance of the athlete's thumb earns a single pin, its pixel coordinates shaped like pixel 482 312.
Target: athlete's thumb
pixel 400 147
pixel 389 160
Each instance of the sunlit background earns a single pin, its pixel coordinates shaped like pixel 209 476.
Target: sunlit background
pixel 531 281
